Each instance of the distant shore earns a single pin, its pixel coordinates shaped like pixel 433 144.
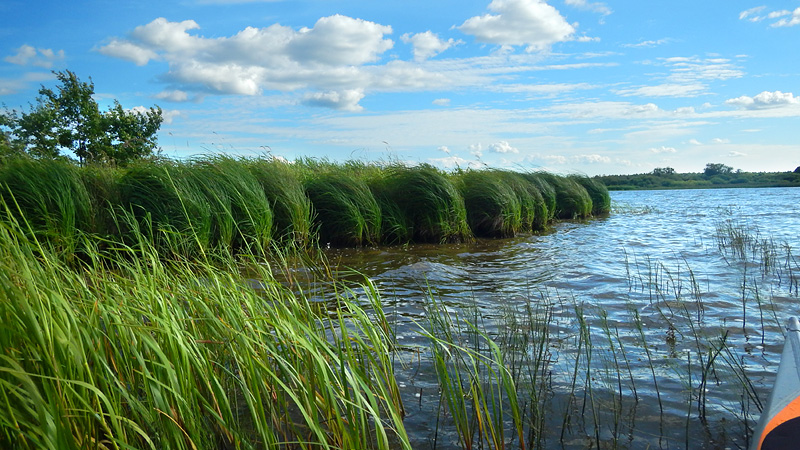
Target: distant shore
pixel 650 181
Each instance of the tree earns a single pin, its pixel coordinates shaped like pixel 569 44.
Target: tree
pixel 663 171
pixel 717 169
pixel 69 118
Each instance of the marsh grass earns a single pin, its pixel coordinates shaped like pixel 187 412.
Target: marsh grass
pixel 184 355
pixel 432 206
pixel 598 193
pixel 291 207
pixel 572 199
pixel 532 204
pixel 493 208
pixel 50 196
pixel 347 213
pixel 547 190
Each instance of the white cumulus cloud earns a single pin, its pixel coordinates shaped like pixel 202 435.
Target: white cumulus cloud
pixel 663 149
pixel 345 100
pixel 503 147
pixel 764 100
pixel 427 45
pixel 28 55
pixel 532 23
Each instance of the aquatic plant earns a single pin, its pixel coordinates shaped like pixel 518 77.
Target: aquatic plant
pixel 346 211
pixel 532 205
pixel 546 189
pixel 572 199
pixel 290 205
pixel 50 196
pixel 598 192
pixel 184 355
pixel 493 209
pixel 433 207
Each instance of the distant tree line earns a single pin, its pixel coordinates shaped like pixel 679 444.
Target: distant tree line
pixel 715 175
pixel 67 123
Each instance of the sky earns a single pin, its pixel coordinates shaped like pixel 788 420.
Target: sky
pixel 566 86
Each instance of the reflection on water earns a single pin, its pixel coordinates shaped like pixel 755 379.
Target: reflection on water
pixel 651 271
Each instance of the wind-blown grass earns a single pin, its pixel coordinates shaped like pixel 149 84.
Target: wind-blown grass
pixel 290 205
pixel 347 213
pixel 547 190
pixel 598 192
pixel 50 195
pixel 183 355
pixel 532 204
pixel 572 200
pixel 432 206
pixel 493 209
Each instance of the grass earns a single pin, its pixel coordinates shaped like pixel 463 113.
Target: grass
pixel 493 208
pixel 598 193
pixel 184 355
pixel 347 213
pixel 433 208
pixel 572 199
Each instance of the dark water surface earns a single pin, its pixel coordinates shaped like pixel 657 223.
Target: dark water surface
pixel 662 380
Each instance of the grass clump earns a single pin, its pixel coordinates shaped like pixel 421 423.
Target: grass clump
pixel 347 213
pixel 572 199
pixel 426 203
pixel 547 191
pixel 493 209
pixel 51 196
pixel 290 205
pixel 532 204
pixel 598 192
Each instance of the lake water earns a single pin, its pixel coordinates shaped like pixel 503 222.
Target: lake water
pixel 682 294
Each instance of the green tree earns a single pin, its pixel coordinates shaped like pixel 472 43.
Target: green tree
pixel 68 118
pixel 717 169
pixel 663 171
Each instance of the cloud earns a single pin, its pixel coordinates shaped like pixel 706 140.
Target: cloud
pixel 444 149
pixel 790 22
pixel 173 96
pixel 427 44
pixel 30 56
pixel 765 100
pixel 754 15
pixel 441 102
pixel 647 44
pixel 598 7
pixel 345 100
pixel 451 162
pixel 328 58
pixel 503 147
pixel 687 77
pixel 735 154
pixel 532 23
pixel 663 149
pixel 720 141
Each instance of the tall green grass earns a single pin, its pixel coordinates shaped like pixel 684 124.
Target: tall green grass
pixel 572 199
pixel 598 193
pixel 290 205
pixel 347 213
pixel 547 190
pixel 433 207
pixel 493 208
pixel 50 196
pixel 184 355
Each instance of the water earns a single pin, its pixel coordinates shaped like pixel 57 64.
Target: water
pixel 656 257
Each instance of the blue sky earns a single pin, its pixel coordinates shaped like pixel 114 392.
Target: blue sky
pixel 568 86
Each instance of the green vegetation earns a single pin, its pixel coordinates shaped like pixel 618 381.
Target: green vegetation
pixel 218 203
pixel 122 350
pixel 715 175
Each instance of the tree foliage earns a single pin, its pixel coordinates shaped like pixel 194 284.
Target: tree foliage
pixel 663 171
pixel 717 169
pixel 68 119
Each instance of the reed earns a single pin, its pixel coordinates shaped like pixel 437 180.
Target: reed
pixel 290 205
pixel 347 213
pixel 51 196
pixel 424 204
pixel 598 193
pixel 548 192
pixel 572 199
pixel 493 209
pixel 241 216
pixel 183 355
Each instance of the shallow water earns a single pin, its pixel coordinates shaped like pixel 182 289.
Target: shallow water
pixel 656 256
